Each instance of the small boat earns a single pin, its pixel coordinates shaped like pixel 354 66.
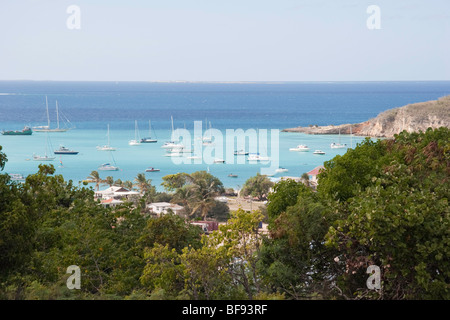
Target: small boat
pixel 218 160
pixel 193 157
pixel 300 147
pixel 149 139
pixel 318 152
pixel 108 167
pixel 26 131
pixel 257 157
pixel 241 153
pixel 279 170
pixel 151 169
pixel 64 150
pixel 16 177
pixel 173 153
pixel 43 158
pixel 172 145
pixel 233 175
pixel 338 146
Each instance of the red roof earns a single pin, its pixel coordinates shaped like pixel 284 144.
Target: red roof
pixel 315 171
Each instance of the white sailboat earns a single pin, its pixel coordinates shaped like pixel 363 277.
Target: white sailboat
pixel 207 141
pixel 137 140
pixel 45 157
pixel 172 144
pixel 47 127
pixel 108 166
pixel 338 145
pixel 106 147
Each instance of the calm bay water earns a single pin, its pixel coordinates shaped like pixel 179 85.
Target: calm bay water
pixel 90 106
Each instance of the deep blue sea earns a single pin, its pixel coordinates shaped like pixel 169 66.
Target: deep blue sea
pixel 91 106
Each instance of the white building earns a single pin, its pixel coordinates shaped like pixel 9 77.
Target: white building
pixel 114 193
pixel 110 203
pixel 160 208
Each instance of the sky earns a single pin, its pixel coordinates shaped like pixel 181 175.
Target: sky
pixel 227 40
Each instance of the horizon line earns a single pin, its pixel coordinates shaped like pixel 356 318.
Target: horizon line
pixel 222 81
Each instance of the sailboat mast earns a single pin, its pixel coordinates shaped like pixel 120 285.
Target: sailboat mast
pixel 108 134
pixel 48 116
pixel 57 115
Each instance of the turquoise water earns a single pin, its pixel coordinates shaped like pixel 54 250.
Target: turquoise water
pixel 90 106
pixel 135 159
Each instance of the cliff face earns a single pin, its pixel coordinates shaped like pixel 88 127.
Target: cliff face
pixel 412 117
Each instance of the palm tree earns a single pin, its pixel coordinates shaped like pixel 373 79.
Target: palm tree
pixel 142 183
pixel 204 206
pixel 109 181
pixel 128 185
pixel 183 196
pixel 94 177
pixel 205 187
pixel 305 179
pixel 118 183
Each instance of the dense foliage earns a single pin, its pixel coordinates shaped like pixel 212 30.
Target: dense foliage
pixel 383 203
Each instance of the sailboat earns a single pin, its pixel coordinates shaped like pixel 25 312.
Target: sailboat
pixel 136 141
pixel 208 140
pixel 45 157
pixel 47 127
pixel 338 145
pixel 106 147
pixel 172 144
pixel 149 138
pixel 108 166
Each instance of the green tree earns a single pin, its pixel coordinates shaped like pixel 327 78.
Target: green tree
pixel 257 186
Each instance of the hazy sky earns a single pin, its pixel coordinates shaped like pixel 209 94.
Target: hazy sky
pixel 227 40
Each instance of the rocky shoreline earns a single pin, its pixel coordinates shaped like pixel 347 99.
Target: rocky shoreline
pixel 413 117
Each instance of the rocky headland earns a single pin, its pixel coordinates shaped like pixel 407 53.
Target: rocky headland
pixel 412 117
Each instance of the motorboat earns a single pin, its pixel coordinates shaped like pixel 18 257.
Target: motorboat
pixel 300 147
pixel 241 153
pixel 319 152
pixel 151 169
pixel 279 170
pixel 233 175
pixel 218 160
pixel 16 177
pixel 64 150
